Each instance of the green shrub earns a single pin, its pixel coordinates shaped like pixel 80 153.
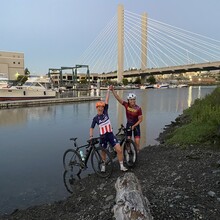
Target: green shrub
pixel 204 122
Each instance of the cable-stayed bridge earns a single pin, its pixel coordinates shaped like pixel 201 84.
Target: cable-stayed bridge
pixel 135 45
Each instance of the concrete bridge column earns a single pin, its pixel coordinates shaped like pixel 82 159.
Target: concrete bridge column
pixel 120 69
pixel 144 41
pixel 143 79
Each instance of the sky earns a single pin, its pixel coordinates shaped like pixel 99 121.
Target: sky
pixel 55 33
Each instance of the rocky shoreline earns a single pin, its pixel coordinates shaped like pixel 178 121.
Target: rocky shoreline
pixel 179 184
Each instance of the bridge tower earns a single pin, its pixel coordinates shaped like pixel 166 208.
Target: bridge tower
pixel 144 41
pixel 120 69
pixel 143 45
pixel 143 54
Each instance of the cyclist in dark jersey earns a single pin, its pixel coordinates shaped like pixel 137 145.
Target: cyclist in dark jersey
pixel 105 130
pixel 133 114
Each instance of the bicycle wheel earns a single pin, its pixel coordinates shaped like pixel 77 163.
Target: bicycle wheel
pixel 130 153
pixel 72 161
pixel 97 162
pixel 71 182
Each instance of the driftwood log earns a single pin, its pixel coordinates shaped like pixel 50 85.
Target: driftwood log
pixel 130 202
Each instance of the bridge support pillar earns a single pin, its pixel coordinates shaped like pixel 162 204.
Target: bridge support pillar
pixel 143 79
pixel 144 41
pixel 120 69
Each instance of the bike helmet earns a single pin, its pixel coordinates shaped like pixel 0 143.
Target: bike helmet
pixel 100 103
pixel 131 96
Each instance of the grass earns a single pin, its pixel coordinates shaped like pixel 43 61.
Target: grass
pixel 203 125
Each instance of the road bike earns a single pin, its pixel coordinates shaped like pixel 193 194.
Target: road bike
pixel 128 146
pixel 74 160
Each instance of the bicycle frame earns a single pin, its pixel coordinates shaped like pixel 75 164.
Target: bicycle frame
pixel 89 147
pixel 124 135
pixel 92 151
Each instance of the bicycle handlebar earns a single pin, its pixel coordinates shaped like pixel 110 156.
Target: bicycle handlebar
pixel 94 140
pixel 124 129
pixel 90 142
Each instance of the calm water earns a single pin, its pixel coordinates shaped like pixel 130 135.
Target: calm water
pixel 33 140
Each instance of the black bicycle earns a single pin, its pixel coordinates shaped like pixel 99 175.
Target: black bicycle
pixel 128 146
pixel 74 160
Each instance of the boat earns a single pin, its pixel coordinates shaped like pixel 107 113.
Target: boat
pixel 3 82
pixel 161 86
pixel 33 88
pixel 172 86
pixel 129 86
pixel 147 86
pixel 182 85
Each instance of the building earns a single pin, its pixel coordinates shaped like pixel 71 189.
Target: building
pixel 67 78
pixel 11 64
pixel 203 80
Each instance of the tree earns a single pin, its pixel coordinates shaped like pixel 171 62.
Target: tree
pixel 151 80
pixel 125 81
pixel 137 80
pixel 26 72
pixel 21 79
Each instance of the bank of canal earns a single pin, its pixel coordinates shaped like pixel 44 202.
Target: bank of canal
pixel 40 102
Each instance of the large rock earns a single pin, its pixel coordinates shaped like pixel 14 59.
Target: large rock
pixel 130 202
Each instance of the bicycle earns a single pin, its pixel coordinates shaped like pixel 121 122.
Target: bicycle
pixel 72 160
pixel 128 146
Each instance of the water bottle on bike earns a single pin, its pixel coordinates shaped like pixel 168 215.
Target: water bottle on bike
pixel 82 155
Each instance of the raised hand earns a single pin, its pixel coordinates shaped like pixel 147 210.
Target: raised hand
pixel 111 87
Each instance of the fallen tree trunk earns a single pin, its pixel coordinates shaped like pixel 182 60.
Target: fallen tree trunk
pixel 130 202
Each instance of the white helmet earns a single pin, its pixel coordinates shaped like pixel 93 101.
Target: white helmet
pixel 131 96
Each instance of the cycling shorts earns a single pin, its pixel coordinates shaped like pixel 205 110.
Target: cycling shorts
pixel 136 131
pixel 108 137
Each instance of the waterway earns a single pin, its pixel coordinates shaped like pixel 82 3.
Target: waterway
pixel 34 139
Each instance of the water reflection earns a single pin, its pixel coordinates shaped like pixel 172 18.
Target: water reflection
pixel 35 138
pixel 199 92
pixel 22 115
pixel 71 181
pixel 190 97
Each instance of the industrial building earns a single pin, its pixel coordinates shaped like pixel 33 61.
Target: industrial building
pixel 11 64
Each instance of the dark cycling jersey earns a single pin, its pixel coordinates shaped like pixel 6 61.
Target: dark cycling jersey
pixel 102 121
pixel 105 128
